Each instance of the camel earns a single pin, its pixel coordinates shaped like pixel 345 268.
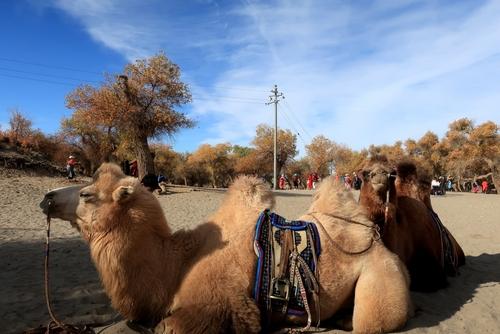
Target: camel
pixel 398 200
pixel 200 281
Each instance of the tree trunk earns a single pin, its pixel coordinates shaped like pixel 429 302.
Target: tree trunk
pixel 145 160
pixel 495 172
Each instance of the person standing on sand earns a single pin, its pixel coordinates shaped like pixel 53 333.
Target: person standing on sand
pixel 282 182
pixel 484 186
pixel 309 182
pixel 70 167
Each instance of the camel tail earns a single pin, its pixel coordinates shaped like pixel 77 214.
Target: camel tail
pixel 251 191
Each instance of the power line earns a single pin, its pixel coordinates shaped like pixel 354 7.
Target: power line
pixel 232 88
pixel 39 80
pixel 294 128
pixel 228 99
pixel 297 120
pixel 47 75
pixel 235 99
pixel 48 66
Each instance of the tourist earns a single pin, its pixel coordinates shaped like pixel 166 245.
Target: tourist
pixel 435 185
pixel 484 186
pixel 315 179
pixel 309 182
pixel 449 184
pixel 282 182
pixel 295 181
pixel 70 167
pixel 162 183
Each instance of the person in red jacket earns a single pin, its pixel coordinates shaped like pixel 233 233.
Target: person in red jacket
pixel 70 167
pixel 282 182
pixel 484 185
pixel 310 182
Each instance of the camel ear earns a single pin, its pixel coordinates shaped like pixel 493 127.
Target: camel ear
pixel 122 193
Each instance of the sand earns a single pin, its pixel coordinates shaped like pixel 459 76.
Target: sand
pixel 471 303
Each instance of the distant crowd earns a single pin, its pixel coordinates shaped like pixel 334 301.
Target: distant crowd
pixel 439 185
pixel 313 179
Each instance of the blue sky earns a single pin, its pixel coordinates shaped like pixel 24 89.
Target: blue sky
pixel 358 72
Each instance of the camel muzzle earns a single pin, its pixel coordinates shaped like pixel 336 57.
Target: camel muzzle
pixel 62 202
pixel 379 187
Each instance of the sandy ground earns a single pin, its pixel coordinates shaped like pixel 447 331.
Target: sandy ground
pixel 471 303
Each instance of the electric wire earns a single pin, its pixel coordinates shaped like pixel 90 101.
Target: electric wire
pixel 48 66
pixel 235 99
pixel 293 127
pixel 47 75
pixel 39 80
pixel 296 119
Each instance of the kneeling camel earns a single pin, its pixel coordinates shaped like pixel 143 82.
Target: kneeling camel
pixel 398 200
pixel 200 281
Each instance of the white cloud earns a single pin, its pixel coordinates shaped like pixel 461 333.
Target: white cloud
pixel 357 73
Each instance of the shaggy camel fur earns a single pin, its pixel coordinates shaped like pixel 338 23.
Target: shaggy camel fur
pixel 201 280
pixel 140 261
pixel 408 228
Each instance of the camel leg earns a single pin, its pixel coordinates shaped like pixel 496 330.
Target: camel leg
pixel 382 299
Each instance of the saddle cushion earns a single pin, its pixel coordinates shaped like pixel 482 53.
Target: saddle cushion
pixel 269 232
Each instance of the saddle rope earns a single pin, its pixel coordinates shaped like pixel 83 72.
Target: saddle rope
pixel 374 227
pixel 55 323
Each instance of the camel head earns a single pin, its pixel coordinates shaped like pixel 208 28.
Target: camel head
pixel 62 203
pixel 378 175
pixel 106 196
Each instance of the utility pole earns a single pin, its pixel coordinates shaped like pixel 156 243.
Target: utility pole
pixel 274 99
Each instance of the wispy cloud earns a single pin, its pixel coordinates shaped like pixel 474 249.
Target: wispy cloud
pixel 357 73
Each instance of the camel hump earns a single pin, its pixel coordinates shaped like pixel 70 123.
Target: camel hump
pixel 109 168
pixel 251 191
pixel 406 169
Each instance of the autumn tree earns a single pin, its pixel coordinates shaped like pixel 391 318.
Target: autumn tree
pixel 97 143
pixel 247 161
pixel 320 154
pixel 20 126
pixel 484 150
pixel 393 152
pixel 347 161
pixel 217 161
pixel 264 147
pixel 301 167
pixel 140 103
pixel 166 161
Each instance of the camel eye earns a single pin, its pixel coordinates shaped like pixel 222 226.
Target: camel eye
pixel 86 195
